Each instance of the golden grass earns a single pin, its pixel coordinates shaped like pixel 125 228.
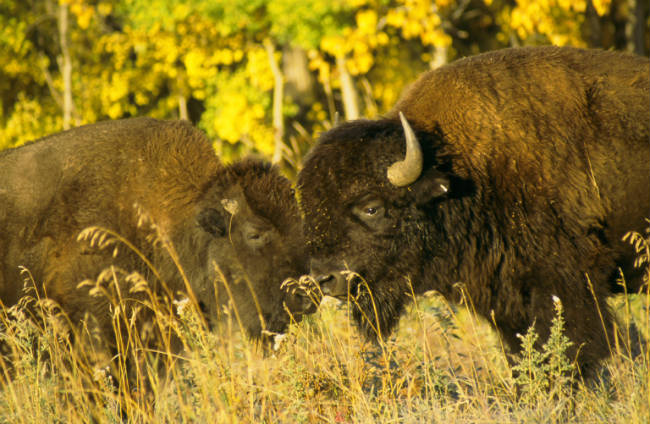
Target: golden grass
pixel 443 364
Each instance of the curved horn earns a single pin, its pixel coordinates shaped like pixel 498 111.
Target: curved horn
pixel 404 172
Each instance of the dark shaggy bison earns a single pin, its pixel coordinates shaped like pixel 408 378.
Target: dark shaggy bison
pixel 522 170
pixel 189 220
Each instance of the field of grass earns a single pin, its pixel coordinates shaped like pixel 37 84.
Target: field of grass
pixel 442 365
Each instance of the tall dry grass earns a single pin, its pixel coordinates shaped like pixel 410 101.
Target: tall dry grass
pixel 443 364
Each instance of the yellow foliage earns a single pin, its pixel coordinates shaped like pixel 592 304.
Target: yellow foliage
pixel 141 99
pixel 145 67
pixel 416 18
pixel 601 6
pixel 367 22
pixel 412 29
pixel 239 119
pixel 115 111
pixel 358 3
pixel 420 18
pixel 320 65
pixel 104 8
pixel 436 38
pixel 558 20
pixel 334 45
pixel 82 11
pixel 258 69
pixel 28 122
pixel 181 11
pixel 118 88
pixel 193 62
pixel 168 48
pixel 396 17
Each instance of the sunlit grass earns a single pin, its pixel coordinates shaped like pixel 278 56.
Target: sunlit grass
pixel 443 364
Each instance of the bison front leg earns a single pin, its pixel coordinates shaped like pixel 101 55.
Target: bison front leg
pixel 89 286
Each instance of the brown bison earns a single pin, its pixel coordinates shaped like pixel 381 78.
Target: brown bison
pixel 515 172
pixel 191 224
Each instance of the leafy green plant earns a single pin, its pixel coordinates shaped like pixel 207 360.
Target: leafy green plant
pixel 548 372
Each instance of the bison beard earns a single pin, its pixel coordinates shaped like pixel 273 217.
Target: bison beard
pixel 241 219
pixel 532 164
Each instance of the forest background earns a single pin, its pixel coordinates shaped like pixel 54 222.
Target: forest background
pixel 261 76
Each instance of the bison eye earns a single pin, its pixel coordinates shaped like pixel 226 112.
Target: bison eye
pixel 256 237
pixel 370 211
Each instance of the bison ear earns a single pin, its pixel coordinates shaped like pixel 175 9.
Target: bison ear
pixel 431 185
pixel 212 222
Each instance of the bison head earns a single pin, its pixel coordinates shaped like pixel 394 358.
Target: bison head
pixel 365 191
pixel 249 221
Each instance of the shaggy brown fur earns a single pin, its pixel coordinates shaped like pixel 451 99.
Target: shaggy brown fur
pixel 545 153
pixel 146 179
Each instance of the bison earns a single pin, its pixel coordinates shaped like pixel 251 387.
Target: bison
pixel 186 223
pixel 514 172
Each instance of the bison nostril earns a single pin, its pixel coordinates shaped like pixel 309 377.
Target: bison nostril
pixel 327 284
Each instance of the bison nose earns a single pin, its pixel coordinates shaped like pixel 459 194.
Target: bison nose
pixel 326 283
pixel 334 285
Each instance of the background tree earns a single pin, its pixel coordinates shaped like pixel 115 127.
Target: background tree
pixel 260 76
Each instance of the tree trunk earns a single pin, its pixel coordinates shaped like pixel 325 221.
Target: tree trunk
pixel 635 26
pixel 66 65
pixel 439 57
pixel 348 92
pixel 638 33
pixel 331 107
pixel 593 27
pixel 278 97
pixel 299 82
pixel 182 107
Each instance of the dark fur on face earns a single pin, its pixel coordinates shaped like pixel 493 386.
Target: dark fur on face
pixel 535 163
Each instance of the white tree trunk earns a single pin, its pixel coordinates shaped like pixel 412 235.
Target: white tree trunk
pixel 348 92
pixel 299 81
pixel 182 107
pixel 439 57
pixel 331 107
pixel 66 65
pixel 278 97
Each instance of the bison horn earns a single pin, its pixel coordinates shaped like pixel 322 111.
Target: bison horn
pixel 404 172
